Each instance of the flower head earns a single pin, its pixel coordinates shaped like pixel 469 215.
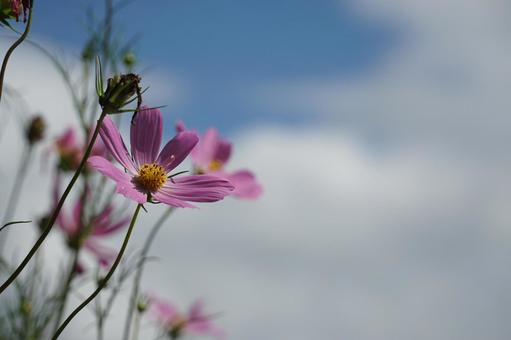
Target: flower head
pixel 19 7
pixel 80 233
pixel 71 151
pixel 211 155
pixel 176 324
pixel 147 174
pixel 35 129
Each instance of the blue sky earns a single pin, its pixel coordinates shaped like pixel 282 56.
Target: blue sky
pixel 225 49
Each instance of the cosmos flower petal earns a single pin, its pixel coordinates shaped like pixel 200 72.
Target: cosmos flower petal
pixel 205 151
pixel 163 310
pixel 111 228
pixel 197 188
pixel 166 197
pixel 223 151
pixel 103 254
pixel 145 135
pixel 176 150
pixel 124 185
pixel 245 184
pixel 114 143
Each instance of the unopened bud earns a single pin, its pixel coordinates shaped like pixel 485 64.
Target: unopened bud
pixel 35 129
pixel 142 304
pixel 25 307
pixel 129 60
pixel 43 222
pixel 120 89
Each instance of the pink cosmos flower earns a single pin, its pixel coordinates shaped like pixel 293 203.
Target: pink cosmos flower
pixel 210 156
pixel 71 151
pixel 175 324
pixel 87 235
pixel 19 7
pixel 146 174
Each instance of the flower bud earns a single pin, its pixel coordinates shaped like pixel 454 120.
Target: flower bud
pixel 120 89
pixel 129 60
pixel 35 130
pixel 15 8
pixel 25 307
pixel 43 222
pixel 142 304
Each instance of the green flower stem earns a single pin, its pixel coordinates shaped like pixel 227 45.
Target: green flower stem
pixel 56 212
pixel 140 269
pixel 13 47
pixel 104 281
pixel 15 192
pixel 66 288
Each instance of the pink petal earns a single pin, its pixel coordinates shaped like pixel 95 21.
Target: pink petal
pixel 165 197
pixel 67 140
pixel 103 254
pixel 111 228
pixel 196 311
pixel 223 151
pixel 145 135
pixel 245 184
pixel 163 310
pixel 197 188
pixel 205 152
pixel 176 150
pixel 77 211
pixel 124 185
pixel 180 126
pixel 114 143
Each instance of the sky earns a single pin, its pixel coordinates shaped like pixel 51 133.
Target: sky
pixel 379 131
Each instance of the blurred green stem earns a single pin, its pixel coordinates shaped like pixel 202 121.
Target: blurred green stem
pixel 14 196
pixel 66 289
pixel 104 281
pixel 56 212
pixel 140 269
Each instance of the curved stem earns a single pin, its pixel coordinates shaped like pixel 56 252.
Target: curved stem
pixel 56 212
pixel 138 275
pixel 66 287
pixel 13 47
pixel 15 191
pixel 104 281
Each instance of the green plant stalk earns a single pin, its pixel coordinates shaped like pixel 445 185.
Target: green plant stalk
pixel 66 289
pixel 14 46
pixel 56 212
pixel 140 269
pixel 104 281
pixel 15 192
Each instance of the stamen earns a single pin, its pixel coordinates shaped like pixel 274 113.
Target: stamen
pixel 151 177
pixel 215 165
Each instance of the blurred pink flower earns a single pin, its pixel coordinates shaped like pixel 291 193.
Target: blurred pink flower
pixel 87 235
pixel 19 7
pixel 71 151
pixel 147 171
pixel 210 156
pixel 175 324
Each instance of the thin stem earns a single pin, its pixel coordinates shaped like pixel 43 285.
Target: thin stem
pixel 56 212
pixel 14 196
pixel 104 281
pixel 66 287
pixel 140 269
pixel 136 328
pixel 109 13
pixel 13 47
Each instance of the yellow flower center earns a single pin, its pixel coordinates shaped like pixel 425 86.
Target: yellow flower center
pixel 151 177
pixel 215 165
